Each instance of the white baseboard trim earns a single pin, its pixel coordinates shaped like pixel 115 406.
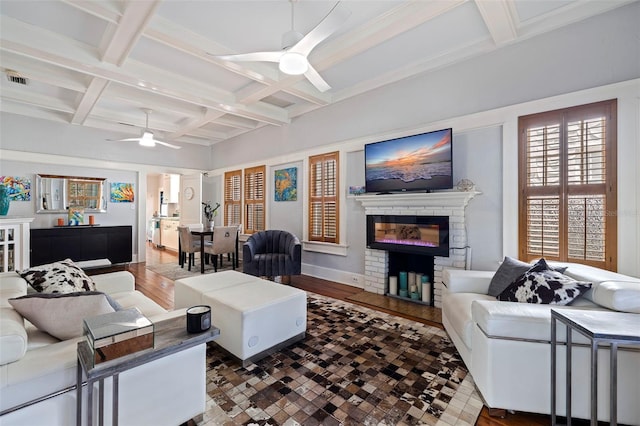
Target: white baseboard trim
pixel 342 277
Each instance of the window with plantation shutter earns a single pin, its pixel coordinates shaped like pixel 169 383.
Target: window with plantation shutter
pixel 254 201
pixel 233 198
pixel 323 198
pixel 567 183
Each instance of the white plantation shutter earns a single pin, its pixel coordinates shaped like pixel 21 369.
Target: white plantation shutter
pixel 568 185
pixel 232 198
pixel 254 200
pixel 323 198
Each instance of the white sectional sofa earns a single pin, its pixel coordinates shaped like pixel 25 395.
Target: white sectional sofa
pixel 506 345
pixel 38 371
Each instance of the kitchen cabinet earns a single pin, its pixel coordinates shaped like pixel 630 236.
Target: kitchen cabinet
pixel 170 186
pixel 169 233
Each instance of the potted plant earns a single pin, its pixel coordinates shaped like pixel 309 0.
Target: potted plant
pixel 210 212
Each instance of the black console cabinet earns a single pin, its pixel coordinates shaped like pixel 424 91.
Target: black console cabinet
pixel 81 243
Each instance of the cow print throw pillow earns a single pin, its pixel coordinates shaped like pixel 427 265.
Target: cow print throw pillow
pixel 58 277
pixel 544 286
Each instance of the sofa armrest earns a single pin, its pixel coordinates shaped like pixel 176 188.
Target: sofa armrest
pixel 114 282
pixel 464 281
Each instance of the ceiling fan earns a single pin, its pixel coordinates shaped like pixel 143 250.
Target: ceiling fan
pixel 147 138
pixel 292 59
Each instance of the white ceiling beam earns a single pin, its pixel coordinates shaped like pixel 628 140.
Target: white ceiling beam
pixel 89 99
pixel 195 123
pixel 45 73
pixel 129 28
pixel 38 100
pixel 498 19
pixel 72 55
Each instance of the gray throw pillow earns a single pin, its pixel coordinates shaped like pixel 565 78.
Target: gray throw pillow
pixel 61 315
pixel 507 273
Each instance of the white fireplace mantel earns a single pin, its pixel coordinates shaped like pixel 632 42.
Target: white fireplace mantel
pixel 443 203
pixel 422 199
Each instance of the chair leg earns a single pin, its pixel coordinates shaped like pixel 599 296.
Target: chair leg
pixel 233 261
pixel 190 261
pixel 215 262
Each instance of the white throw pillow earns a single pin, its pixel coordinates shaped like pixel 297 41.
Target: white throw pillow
pixel 623 296
pixel 61 315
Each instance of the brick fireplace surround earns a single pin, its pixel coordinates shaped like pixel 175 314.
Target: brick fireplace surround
pixel 446 203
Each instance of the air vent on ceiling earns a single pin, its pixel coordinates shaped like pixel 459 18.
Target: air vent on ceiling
pixel 16 77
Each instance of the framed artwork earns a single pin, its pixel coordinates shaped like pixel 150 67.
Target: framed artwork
pixel 121 193
pixel 19 187
pixel 286 184
pixel 356 190
pixel 76 215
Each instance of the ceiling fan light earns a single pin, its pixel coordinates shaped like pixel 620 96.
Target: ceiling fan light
pixel 293 63
pixel 147 139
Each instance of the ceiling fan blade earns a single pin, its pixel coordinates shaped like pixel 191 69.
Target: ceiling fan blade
pixel 334 19
pixel 253 57
pixel 168 145
pixel 124 140
pixel 316 79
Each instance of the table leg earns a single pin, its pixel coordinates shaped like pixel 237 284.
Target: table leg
pixel 613 404
pixel 89 402
pixel 79 395
pixel 202 253
pixel 116 382
pixel 101 402
pixel 568 377
pixel 553 371
pixel 594 383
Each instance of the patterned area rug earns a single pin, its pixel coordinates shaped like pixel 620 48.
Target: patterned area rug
pixel 356 366
pixel 173 271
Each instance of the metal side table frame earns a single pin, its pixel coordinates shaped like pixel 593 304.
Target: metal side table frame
pixel 171 336
pixel 601 328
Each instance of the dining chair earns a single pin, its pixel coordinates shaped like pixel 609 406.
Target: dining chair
pixel 188 245
pixel 224 242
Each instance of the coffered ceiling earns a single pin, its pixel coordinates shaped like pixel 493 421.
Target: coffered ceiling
pixel 99 63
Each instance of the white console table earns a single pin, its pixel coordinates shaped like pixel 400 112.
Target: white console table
pixel 601 328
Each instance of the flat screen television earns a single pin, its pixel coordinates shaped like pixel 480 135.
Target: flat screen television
pixel 420 162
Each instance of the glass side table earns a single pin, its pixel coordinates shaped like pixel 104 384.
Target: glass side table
pixel 606 328
pixel 171 336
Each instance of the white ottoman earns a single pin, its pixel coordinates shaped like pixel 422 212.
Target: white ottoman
pixel 255 316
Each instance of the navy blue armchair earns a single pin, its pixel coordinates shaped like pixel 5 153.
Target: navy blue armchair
pixel 272 253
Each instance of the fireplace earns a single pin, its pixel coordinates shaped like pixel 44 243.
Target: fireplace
pixel 423 235
pixel 382 263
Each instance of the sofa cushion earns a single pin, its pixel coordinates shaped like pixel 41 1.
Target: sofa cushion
pixel 13 336
pixel 135 299
pixel 61 315
pixel 520 320
pixel 457 308
pixel 621 296
pixel 58 277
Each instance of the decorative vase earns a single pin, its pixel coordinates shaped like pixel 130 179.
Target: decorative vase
pixel 211 224
pixel 4 200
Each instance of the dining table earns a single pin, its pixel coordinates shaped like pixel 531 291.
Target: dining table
pixel 209 232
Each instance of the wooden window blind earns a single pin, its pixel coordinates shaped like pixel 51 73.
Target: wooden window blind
pixel 567 181
pixel 233 198
pixel 254 200
pixel 323 198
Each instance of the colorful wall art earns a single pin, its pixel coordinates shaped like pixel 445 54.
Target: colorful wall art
pixel 19 187
pixel 122 193
pixel 286 184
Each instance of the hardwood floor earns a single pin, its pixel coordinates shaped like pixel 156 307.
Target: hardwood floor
pixel 160 289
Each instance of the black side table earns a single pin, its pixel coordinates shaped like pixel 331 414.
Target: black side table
pixel 601 328
pixel 170 337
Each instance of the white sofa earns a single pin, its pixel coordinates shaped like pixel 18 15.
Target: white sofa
pixel 38 371
pixel 505 345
